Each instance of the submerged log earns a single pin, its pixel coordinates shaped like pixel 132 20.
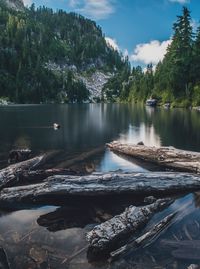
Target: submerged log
pixel 144 239
pixel 168 157
pixel 111 234
pixel 19 155
pixel 10 174
pixel 61 187
pixel 3 259
pixel 73 217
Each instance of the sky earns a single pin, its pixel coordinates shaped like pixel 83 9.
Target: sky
pixel 141 29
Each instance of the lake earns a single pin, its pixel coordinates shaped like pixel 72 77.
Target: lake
pixel 45 237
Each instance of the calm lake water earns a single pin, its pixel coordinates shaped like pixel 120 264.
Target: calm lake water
pixel 44 237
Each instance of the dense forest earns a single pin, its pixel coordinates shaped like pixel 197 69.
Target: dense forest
pixel 176 79
pixel 32 38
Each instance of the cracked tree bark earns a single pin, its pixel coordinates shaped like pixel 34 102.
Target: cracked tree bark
pixel 167 157
pixel 111 234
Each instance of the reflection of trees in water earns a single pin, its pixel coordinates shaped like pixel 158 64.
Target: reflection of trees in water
pixel 89 126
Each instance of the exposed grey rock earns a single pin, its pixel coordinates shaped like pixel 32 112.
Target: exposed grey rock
pixel 15 4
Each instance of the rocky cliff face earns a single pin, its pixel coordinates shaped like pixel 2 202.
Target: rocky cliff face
pixel 15 4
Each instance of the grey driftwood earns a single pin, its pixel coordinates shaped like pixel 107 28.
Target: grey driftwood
pixel 11 174
pixel 168 157
pixel 109 235
pixel 101 185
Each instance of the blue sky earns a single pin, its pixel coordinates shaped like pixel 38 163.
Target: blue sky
pixel 139 28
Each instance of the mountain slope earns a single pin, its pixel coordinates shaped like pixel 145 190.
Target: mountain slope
pixel 49 56
pixel 14 4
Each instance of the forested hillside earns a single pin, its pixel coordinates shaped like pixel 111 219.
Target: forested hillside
pixel 176 79
pixel 42 51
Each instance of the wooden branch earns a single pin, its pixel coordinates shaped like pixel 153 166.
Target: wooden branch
pixel 144 239
pixel 168 157
pixel 61 187
pixel 111 234
pixel 11 174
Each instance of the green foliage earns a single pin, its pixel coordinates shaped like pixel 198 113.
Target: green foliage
pixel 31 39
pixel 177 78
pixel 196 96
pixel 118 86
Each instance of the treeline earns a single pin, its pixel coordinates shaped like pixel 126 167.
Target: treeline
pixel 177 78
pixel 31 39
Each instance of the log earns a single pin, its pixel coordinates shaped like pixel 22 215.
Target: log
pixel 10 174
pixel 73 217
pixel 19 155
pixel 111 234
pixel 144 239
pixel 61 187
pixel 36 176
pixel 167 157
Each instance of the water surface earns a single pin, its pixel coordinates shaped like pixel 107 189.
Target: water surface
pixel 44 237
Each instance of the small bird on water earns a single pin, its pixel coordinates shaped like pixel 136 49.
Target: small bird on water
pixel 56 126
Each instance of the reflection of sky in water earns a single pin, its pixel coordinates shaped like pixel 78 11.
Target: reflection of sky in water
pixel 112 162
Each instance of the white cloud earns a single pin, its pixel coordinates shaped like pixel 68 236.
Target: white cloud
pixel 180 1
pixel 151 52
pixel 28 2
pixel 112 43
pixel 74 3
pixel 94 9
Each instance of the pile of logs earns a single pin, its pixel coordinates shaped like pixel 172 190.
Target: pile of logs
pixel 21 183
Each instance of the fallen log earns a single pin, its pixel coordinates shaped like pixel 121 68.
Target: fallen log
pixel 111 234
pixel 10 174
pixel 61 187
pixel 167 157
pixel 144 239
pixel 36 176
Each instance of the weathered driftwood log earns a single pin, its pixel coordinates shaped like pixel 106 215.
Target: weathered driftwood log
pixel 168 157
pixel 111 234
pixel 144 239
pixel 11 173
pixel 101 185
